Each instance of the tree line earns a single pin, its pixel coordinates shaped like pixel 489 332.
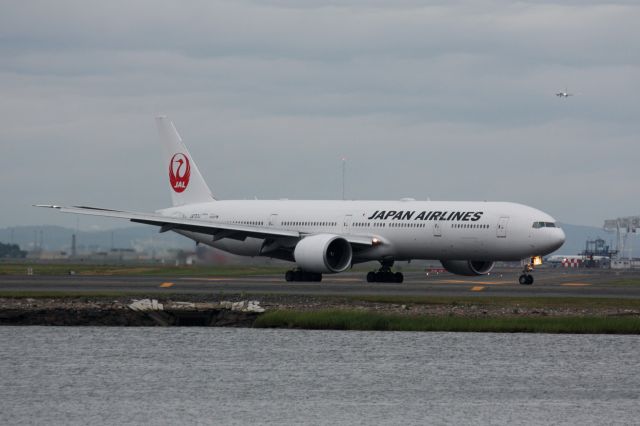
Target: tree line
pixel 12 251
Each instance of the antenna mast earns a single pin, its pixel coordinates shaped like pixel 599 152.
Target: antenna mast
pixel 344 165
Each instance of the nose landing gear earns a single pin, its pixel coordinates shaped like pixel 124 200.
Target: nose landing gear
pixel 526 278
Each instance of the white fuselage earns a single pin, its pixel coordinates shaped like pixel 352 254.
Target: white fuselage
pixel 330 236
pixel 442 230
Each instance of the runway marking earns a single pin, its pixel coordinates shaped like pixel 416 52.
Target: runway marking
pixel 210 279
pixel 575 284
pixel 219 279
pixel 166 285
pixel 477 288
pixel 472 282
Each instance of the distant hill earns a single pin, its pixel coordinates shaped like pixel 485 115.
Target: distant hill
pixel 57 238
pixel 578 235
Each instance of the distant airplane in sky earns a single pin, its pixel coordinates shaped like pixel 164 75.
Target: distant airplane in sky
pixel 326 237
pixel 564 94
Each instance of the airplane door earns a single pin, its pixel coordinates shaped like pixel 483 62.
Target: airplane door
pixel 501 231
pixel 273 220
pixel 346 225
pixel 437 231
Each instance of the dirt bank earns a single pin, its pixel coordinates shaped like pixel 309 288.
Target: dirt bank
pixel 209 311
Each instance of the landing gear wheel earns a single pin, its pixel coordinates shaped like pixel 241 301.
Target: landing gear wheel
pixel 525 279
pixel 384 274
pixel 288 276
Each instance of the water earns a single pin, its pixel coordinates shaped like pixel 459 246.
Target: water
pixel 78 375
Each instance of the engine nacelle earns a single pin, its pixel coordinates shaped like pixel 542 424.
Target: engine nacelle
pixel 468 267
pixel 323 253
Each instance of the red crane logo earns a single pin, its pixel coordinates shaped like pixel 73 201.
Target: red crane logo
pixel 179 172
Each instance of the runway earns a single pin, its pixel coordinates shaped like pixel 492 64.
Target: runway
pixel 548 283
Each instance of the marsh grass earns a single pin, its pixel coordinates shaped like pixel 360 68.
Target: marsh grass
pixel 509 302
pixel 357 320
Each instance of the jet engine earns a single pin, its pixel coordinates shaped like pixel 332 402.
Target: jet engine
pixel 468 267
pixel 323 253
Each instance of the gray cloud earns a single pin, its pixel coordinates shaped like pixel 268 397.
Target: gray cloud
pixel 452 100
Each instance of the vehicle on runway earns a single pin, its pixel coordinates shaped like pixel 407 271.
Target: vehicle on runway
pixel 559 258
pixel 575 260
pixel 325 237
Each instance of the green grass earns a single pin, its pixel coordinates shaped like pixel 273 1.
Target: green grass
pixel 71 294
pixel 586 303
pixel 505 301
pixel 626 282
pixel 152 270
pixel 357 320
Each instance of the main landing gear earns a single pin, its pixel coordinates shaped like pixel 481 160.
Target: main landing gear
pixel 526 278
pixel 384 274
pixel 298 275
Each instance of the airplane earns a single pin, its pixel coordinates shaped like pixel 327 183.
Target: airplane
pixel 564 94
pixel 328 237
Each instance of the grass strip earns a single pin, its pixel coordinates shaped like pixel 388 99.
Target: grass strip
pixel 71 294
pixel 586 303
pixel 358 320
pixel 152 270
pixel 631 282
pixel 506 301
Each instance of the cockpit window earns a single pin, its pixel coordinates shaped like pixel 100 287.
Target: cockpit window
pixel 537 225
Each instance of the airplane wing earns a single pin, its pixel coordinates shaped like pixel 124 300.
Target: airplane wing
pixel 218 230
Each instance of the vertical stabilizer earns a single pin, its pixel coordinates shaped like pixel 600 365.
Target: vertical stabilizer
pixel 185 181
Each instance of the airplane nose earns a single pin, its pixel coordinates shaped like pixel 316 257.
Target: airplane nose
pixel 557 239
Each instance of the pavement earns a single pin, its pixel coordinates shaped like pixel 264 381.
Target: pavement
pixel 553 282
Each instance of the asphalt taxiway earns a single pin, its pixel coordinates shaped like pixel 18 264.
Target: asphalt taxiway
pixel 548 283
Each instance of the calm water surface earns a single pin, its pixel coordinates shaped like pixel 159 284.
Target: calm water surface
pixel 85 375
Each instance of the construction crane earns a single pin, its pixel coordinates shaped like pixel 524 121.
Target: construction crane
pixel 623 227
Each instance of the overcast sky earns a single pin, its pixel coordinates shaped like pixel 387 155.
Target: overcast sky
pixel 450 100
